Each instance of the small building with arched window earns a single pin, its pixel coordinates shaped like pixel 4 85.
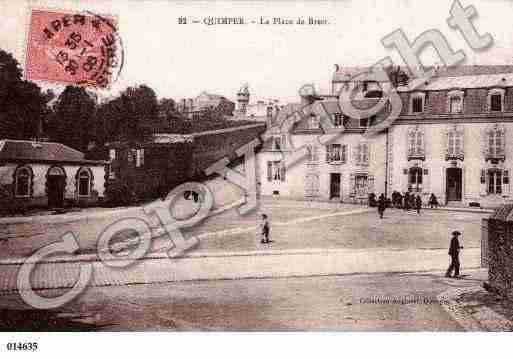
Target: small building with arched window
pixel 47 174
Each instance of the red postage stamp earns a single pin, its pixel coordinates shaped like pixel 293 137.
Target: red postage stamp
pixel 73 48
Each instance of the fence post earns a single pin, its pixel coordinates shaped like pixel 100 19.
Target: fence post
pixel 484 243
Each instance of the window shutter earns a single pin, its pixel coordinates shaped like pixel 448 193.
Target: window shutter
pixel 359 153
pixel 352 179
pixel 328 153
pixel 483 176
pixel 344 153
pixel 505 182
pixel 315 152
pixel 269 171
pixel 282 169
pixel 370 184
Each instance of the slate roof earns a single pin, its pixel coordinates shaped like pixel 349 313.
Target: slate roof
pixel 17 150
pixel 345 73
pixel 463 82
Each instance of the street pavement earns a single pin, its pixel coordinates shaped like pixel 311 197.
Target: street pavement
pixel 362 302
pixel 237 265
pixel 323 255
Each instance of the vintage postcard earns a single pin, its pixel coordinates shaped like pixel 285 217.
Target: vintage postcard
pixel 255 166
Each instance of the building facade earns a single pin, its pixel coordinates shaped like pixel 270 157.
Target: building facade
pixel 47 174
pixel 153 167
pixel 450 139
pixel 261 110
pixel 204 102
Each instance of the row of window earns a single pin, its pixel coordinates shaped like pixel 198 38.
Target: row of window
pixel 134 154
pixel 337 152
pixel 495 101
pixel 493 178
pixel 23 181
pixel 338 120
pixel 495 143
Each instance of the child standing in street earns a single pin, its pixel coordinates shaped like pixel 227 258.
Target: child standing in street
pixel 264 226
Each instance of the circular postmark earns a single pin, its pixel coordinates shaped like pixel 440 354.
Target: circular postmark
pixel 74 48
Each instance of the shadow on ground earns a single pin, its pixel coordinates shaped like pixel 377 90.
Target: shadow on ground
pixel 45 321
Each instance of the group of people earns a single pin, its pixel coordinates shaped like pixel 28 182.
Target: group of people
pixel 404 200
pixel 407 201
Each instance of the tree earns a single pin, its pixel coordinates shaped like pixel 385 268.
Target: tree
pixel 73 121
pixel 167 107
pixel 23 104
pixel 140 109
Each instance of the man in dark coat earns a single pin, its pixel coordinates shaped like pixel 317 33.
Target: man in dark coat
pixel 418 203
pixel 381 205
pixel 264 227
pixel 454 252
pixel 433 202
pixel 406 201
pixel 399 200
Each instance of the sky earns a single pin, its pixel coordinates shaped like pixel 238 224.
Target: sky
pixel 180 61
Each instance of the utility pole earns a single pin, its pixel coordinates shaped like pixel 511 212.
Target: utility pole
pixel 386 163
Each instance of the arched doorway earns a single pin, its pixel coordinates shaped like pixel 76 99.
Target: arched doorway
pixel 55 186
pixel 453 184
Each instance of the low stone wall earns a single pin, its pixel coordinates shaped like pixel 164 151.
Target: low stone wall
pixel 499 248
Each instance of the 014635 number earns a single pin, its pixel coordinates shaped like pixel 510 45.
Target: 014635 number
pixel 22 346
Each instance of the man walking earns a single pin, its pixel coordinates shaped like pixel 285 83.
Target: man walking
pixel 454 252
pixel 406 201
pixel 381 205
pixel 418 203
pixel 265 229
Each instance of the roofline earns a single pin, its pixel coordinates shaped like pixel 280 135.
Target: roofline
pixel 67 162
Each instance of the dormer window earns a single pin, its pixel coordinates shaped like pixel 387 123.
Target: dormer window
pixel 417 103
pixel 338 119
pixel 455 101
pixel 496 103
pixel 277 143
pixel 455 105
pixel 313 122
pixel 496 100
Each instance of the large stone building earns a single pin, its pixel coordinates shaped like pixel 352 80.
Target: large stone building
pixel 452 138
pixel 205 101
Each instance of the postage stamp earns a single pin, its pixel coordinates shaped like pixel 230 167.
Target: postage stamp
pixel 73 48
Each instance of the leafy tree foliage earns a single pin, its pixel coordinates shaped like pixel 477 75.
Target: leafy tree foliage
pixel 73 119
pixel 23 104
